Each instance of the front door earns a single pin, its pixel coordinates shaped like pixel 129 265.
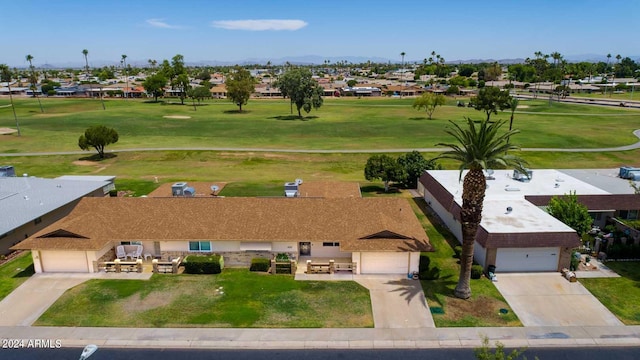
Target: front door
pixel 305 248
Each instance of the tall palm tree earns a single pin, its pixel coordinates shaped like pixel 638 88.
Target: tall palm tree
pixel 126 75
pixel 513 105
pixel 402 71
pixel 477 147
pixel 6 76
pixel 34 80
pixel 85 52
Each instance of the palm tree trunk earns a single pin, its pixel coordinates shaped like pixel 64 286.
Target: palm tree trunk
pixel 474 187
pixel 13 108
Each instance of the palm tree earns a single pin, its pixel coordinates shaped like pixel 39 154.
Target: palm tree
pixel 477 147
pixel 6 76
pixel 85 52
pixel 513 105
pixel 124 68
pixel 402 71
pixel 34 80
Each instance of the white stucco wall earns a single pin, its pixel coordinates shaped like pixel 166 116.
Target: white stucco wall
pixel 414 262
pixel 480 254
pixel 355 257
pixel 448 219
pixel 318 250
pixel 284 247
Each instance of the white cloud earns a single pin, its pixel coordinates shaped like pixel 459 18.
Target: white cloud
pixel 260 25
pixel 159 23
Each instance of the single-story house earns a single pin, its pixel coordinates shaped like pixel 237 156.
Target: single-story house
pixel 381 235
pixel 516 233
pixel 29 204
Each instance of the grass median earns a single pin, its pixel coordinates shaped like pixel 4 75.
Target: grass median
pixel 14 272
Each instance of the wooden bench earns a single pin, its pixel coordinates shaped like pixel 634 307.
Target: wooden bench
pixel 345 267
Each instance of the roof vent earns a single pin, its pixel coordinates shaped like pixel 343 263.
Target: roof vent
pixel 509 210
pixel 214 189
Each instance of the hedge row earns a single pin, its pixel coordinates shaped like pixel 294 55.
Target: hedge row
pixel 260 264
pixel 203 264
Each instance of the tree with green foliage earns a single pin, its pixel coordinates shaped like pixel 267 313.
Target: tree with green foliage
pixel 301 88
pixel 385 168
pixel 477 148
pixel 34 80
pixel 490 99
pixel 240 86
pixel 414 164
pixel 154 85
pixel 97 137
pixel 182 84
pixel 429 101
pixel 6 75
pixel 352 83
pixel 571 212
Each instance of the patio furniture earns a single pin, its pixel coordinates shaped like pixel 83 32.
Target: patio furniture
pixel 120 253
pixel 136 253
pixel 148 256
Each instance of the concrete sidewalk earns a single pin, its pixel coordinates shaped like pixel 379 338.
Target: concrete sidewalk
pixel 329 338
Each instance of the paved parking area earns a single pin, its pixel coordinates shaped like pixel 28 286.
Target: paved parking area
pixel 548 299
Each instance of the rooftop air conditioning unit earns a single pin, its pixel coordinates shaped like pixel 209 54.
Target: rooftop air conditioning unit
pixel 178 189
pixel 292 189
pixel 523 177
pixel 7 171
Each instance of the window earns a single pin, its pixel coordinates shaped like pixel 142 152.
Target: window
pixel 37 221
pixel 330 244
pixel 633 215
pixel 130 242
pixel 203 246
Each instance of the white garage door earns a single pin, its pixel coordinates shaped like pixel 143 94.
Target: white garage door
pixel 384 263
pixel 527 259
pixel 64 261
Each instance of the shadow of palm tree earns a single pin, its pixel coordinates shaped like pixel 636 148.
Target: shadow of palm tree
pixel 408 289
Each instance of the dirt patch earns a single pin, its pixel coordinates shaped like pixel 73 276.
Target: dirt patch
pixel 7 131
pixel 136 304
pixel 523 106
pixel 176 117
pixel 85 163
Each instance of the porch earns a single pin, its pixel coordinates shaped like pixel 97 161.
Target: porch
pixel 324 268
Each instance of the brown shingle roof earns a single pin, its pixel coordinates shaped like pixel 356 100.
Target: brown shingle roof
pixel 348 221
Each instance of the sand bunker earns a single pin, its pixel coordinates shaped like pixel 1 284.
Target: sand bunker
pixel 523 106
pixel 84 163
pixel 6 131
pixel 176 117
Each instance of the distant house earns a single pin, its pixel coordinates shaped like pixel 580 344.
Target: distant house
pixel 381 235
pixel 28 204
pixel 219 91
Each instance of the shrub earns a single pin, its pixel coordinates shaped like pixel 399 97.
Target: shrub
pixel 457 251
pixel 260 264
pixel 282 257
pixel 423 264
pixel 199 264
pixel 476 271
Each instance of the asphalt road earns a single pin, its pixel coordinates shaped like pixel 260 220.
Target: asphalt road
pixel 586 353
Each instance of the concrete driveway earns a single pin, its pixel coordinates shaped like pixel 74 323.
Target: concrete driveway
pixel 548 299
pixel 397 302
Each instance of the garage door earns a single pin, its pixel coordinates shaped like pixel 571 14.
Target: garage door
pixel 64 261
pixel 384 263
pixel 527 259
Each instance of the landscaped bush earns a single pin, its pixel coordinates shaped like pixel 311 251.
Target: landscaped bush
pixel 260 264
pixel 476 271
pixel 423 264
pixel 200 264
pixel 457 251
pixel 282 257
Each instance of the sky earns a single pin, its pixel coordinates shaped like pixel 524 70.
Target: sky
pixel 56 32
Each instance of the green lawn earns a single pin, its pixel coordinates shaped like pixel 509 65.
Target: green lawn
pixel 246 300
pixel 483 309
pixel 619 295
pixel 339 124
pixel 14 272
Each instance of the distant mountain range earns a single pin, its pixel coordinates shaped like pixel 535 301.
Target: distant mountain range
pixel 320 60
